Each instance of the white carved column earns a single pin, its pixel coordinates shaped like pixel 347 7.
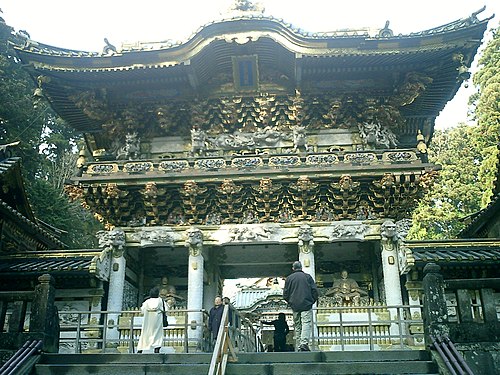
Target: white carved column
pixel 113 242
pixel 306 250
pixel 194 243
pixel 390 267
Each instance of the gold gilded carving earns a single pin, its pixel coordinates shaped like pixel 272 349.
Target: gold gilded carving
pixel 346 291
pixel 304 197
pixel 73 192
pixel 93 104
pixel 111 191
pixel 156 203
pixel 393 196
pixel 427 179
pixel 413 85
pixel 230 198
pixel 345 196
pixel 267 199
pixel 194 199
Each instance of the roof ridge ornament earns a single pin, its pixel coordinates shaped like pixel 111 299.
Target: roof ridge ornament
pixel 241 8
pixel 385 32
pixel 108 49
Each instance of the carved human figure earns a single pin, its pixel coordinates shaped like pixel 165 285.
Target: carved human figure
pixel 198 141
pixel 299 138
pixel 131 149
pixel 168 291
pixel 249 217
pixel 375 135
pixel 346 291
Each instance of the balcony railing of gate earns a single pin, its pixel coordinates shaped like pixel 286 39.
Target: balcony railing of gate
pixel 102 332
pixel 368 328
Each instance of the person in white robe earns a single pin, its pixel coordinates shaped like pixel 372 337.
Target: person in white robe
pixel 152 325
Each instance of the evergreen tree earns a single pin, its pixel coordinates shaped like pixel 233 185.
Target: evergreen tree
pixel 457 192
pixel 468 156
pixel 486 106
pixel 47 147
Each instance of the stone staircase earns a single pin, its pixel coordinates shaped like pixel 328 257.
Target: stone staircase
pixel 311 363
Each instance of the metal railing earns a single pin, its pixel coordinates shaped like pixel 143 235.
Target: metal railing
pixel 368 327
pixel 104 331
pixel 453 360
pixel 21 357
pixel 335 328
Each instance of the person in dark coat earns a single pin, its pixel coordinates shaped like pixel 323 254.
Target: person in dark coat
pixel 281 329
pixel 215 318
pixel 301 293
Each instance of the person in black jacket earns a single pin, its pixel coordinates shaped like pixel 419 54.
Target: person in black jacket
pixel 301 293
pixel 215 318
pixel 280 331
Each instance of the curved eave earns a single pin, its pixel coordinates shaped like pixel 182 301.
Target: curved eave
pixel 33 229
pixel 11 178
pixel 56 262
pixel 456 252
pixel 483 220
pixel 192 68
pixel 242 31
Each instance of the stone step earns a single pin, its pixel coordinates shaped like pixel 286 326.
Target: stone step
pixel 126 359
pixel 243 369
pixel 384 362
pixel 345 356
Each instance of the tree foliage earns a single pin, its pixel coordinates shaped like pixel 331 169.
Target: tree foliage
pixel 47 147
pixel 457 192
pixel 468 156
pixel 487 112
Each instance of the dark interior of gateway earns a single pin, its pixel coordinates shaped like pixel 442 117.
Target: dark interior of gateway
pixel 252 261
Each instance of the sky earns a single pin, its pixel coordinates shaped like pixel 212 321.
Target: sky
pixel 83 25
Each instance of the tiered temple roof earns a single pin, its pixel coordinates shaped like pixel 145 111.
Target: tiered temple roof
pixel 165 88
pixel 20 230
pixel 263 121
